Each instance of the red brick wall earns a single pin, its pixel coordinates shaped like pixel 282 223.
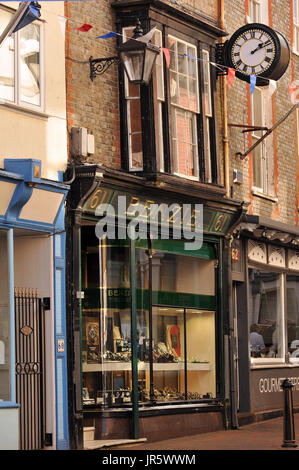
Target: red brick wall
pixel 283 153
pixel 94 105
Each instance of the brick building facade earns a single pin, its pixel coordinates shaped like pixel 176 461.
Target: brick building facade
pixel 166 143
pixel 268 238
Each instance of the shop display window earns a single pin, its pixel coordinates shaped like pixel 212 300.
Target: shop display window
pixel 178 364
pixel 266 319
pixel 292 286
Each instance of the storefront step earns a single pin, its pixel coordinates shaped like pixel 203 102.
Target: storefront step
pixel 88 433
pixel 108 443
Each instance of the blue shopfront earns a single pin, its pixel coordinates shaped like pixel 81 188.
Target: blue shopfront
pixel 33 374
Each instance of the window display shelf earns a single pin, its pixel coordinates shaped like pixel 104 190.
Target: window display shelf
pixel 161 366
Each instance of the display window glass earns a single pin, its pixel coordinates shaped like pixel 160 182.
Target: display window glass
pixel 175 299
pixel 265 314
pixel 292 287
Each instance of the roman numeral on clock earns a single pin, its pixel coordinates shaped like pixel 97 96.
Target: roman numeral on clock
pixel 268 59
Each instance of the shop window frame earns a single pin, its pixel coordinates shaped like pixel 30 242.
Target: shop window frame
pixel 285 359
pixel 217 370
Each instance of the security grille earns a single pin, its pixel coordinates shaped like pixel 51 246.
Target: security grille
pixel 29 325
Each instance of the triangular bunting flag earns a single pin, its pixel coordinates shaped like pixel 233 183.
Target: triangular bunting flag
pixel 107 36
pixel 84 28
pixel 167 56
pixel 272 88
pixel 252 83
pixel 231 76
pixel 292 90
pixel 148 36
pixel 32 13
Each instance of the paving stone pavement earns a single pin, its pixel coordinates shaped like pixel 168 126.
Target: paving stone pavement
pixel 265 435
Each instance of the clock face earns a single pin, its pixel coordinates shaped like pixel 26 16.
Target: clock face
pixel 256 49
pixel 253 52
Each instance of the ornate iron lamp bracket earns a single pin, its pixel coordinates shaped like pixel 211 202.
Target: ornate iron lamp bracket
pixel 99 66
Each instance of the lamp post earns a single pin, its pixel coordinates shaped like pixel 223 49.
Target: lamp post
pixel 137 56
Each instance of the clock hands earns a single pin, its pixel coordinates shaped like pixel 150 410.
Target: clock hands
pixel 260 46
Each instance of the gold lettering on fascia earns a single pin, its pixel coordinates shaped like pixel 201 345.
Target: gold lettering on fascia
pixel 274 384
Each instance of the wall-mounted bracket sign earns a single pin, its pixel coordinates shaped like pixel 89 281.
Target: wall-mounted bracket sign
pixel 256 49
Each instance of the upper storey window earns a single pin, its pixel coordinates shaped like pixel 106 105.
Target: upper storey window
pixel 179 116
pixel 20 64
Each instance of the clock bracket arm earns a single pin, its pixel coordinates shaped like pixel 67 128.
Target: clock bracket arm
pixel 268 132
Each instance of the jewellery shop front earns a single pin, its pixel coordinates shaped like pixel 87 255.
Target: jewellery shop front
pixel 266 299
pixel 146 316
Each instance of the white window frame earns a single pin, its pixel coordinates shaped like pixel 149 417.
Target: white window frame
pixel 296 26
pixel 260 150
pixel 17 99
pixel 174 106
pixel 274 360
pixel 258 11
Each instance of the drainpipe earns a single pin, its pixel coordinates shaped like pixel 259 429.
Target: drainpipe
pixel 224 113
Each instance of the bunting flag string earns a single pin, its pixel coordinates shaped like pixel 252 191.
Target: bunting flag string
pixel 230 71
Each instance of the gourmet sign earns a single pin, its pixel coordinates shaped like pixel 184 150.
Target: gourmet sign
pixel 266 388
pixel 274 384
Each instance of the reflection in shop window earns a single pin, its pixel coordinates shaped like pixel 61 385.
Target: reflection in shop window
pixel 182 353
pixel 265 314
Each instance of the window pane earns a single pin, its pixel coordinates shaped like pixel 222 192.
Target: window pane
pixel 134 133
pixel 192 64
pixel 182 59
pixel 184 139
pixel 173 53
pixel 174 88
pixel 168 355
pixel 183 91
pixel 177 275
pixel 4 320
pixel 266 321
pixel 30 64
pixel 106 322
pixel 293 315
pixel 6 61
pixel 201 366
pixel 207 84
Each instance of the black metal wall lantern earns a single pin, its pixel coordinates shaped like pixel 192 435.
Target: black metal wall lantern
pixel 137 56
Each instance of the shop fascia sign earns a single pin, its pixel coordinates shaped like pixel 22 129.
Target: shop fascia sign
pixel 126 207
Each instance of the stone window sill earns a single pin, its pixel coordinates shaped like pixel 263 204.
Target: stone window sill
pixel 258 193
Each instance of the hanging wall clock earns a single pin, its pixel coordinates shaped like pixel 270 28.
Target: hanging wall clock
pixel 256 49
